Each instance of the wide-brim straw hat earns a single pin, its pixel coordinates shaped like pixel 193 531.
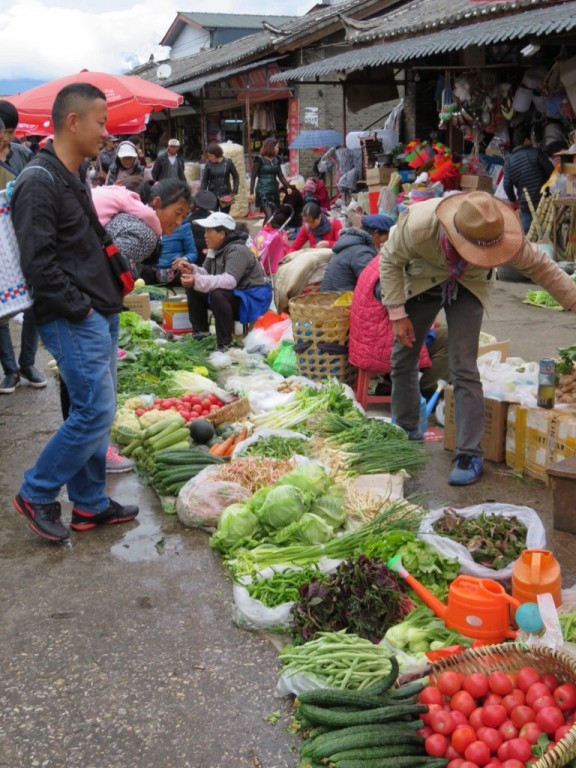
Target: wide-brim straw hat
pixel 483 229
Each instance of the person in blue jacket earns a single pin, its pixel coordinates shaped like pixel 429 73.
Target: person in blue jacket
pixel 179 245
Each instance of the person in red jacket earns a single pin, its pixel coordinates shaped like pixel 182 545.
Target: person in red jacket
pixel 318 230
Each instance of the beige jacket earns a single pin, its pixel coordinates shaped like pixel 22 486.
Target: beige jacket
pixel 412 261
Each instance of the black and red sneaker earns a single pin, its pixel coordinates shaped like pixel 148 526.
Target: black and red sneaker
pixel 114 513
pixel 43 519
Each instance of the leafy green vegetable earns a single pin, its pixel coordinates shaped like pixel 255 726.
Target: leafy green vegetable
pixel 283 505
pixel 363 597
pixel 310 477
pixel 330 508
pixel 274 447
pixel 541 298
pixel 281 587
pixel 133 330
pixel 567 359
pixel 237 526
pixel 423 631
pixel 313 530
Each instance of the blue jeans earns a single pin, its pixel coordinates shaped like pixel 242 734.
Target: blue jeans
pixel 28 345
pixel 75 455
pixel 464 320
pixel 526 219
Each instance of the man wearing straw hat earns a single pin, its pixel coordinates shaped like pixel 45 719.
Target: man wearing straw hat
pixel 443 254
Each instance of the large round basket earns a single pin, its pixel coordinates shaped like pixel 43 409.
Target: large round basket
pixel 510 657
pixel 321 330
pixel 235 411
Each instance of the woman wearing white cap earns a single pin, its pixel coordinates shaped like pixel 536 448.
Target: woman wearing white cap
pixel 126 163
pixel 232 283
pixel 443 253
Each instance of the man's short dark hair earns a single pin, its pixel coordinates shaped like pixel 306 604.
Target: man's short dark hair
pixel 8 115
pixel 73 98
pixel 520 136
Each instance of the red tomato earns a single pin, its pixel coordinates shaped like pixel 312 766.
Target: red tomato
pixel 522 715
pixel 195 400
pixel 565 696
pixel 436 745
pixel 459 718
pixel 543 701
pixel 448 683
pixel 493 698
pixel 193 416
pixel 503 751
pixel 451 753
pixel 527 676
pixel 550 680
pixel 425 732
pixel 530 732
pixel 512 763
pixel 559 733
pixel 426 717
pixel 499 683
pixel 491 737
pixel 214 408
pixel 455 763
pixel 494 715
pixel 462 737
pixel 140 412
pixel 206 403
pixel 475 719
pixel 514 699
pixel 476 684
pixel 463 702
pixel 549 719
pixel 536 690
pixel 214 399
pixel 478 752
pixel 468 764
pixel 197 408
pixel 430 695
pixel 508 730
pixel 494 763
pixel 442 722
pixel 519 749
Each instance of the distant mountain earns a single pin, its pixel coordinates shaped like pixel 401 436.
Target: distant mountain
pixel 12 87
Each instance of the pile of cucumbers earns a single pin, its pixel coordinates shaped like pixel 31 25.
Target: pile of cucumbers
pixel 373 728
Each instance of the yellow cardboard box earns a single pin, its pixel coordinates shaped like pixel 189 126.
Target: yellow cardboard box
pixel 378 176
pixel 537 438
pixel 139 303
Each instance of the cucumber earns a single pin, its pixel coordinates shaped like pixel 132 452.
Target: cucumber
pixel 369 753
pixel 322 716
pixel 327 697
pixel 407 690
pixel 374 735
pixel 394 762
pixel 387 682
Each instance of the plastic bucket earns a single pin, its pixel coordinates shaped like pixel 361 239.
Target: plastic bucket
pixel 175 316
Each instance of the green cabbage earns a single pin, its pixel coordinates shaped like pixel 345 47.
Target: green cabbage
pixel 237 526
pixel 313 530
pixel 284 504
pixel 329 508
pixel 310 477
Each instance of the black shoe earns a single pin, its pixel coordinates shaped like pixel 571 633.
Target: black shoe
pixel 114 513
pixel 43 519
pixel 199 335
pixel 9 383
pixel 33 377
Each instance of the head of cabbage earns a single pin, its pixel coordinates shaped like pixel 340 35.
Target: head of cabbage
pixel 237 526
pixel 313 530
pixel 329 507
pixel 310 477
pixel 284 504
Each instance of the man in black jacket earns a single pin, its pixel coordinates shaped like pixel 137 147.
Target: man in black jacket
pixel 526 168
pixel 169 163
pixel 77 300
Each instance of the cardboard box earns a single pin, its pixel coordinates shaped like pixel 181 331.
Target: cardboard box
pixel 494 438
pixel 497 346
pixel 538 438
pixel 480 183
pixel 139 303
pixel 378 176
pixel 567 161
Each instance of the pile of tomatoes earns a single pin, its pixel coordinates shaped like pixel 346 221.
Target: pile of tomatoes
pixel 496 720
pixel 190 407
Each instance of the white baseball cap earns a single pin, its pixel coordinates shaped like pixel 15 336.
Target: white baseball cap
pixel 217 219
pixel 127 149
pixel 173 143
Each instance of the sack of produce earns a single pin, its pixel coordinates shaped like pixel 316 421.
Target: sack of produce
pixel 485 538
pixel 202 500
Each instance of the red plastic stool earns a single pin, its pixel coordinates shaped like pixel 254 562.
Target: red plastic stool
pixel 361 389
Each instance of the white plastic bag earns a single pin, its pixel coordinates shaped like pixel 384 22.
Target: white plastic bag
pixel 202 500
pixel 514 380
pixel 251 614
pixel 535 537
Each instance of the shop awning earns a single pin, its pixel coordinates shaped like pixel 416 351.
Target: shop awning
pixel 212 77
pixel 541 22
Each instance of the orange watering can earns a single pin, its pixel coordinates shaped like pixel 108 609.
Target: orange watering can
pixel 477 608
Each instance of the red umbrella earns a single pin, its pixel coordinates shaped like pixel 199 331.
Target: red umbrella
pixel 128 98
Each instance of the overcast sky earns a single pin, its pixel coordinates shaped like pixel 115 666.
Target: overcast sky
pixel 45 39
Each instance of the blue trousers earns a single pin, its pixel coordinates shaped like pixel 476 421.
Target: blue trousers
pixel 28 345
pixel 75 456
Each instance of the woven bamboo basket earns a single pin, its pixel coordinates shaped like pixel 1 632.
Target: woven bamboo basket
pixel 321 336
pixel 510 657
pixel 235 411
pixel 14 292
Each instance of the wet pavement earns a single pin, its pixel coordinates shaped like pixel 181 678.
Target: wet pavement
pixel 118 650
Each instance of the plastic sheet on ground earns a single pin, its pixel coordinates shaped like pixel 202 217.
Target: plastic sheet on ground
pixel 535 537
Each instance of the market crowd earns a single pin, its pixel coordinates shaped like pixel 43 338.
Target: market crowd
pixel 419 282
